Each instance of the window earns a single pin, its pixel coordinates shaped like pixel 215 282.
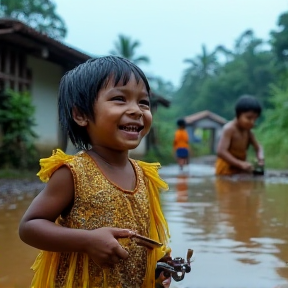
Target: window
pixel 13 71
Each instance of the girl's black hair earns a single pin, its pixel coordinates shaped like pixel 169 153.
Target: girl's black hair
pixel 247 103
pixel 79 89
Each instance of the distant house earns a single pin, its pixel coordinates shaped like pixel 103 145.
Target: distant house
pixel 30 60
pixel 206 120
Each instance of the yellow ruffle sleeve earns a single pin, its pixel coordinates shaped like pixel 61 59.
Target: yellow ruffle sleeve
pixel 51 164
pixel 158 225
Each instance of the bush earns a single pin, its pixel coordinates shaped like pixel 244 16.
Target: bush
pixel 272 133
pixel 17 148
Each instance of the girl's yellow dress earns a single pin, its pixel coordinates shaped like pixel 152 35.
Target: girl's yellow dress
pixel 100 203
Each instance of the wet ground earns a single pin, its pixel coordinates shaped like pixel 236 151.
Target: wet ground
pixel 238 228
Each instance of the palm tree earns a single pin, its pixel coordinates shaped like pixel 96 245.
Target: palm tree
pixel 221 51
pixel 247 42
pixel 125 47
pixel 279 39
pixel 201 66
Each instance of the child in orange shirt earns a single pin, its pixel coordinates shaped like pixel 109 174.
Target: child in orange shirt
pixel 181 144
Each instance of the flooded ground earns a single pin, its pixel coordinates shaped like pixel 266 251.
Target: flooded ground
pixel 237 228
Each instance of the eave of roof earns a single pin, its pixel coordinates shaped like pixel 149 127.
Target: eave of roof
pixel 19 34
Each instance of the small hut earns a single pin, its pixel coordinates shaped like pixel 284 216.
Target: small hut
pixel 209 121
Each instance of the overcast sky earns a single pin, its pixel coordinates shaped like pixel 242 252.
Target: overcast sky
pixel 169 30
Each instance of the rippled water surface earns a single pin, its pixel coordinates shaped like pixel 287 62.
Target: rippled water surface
pixel 238 229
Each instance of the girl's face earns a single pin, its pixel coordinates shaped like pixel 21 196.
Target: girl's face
pixel 122 116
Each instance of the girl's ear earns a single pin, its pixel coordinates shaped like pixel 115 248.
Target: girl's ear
pixel 79 118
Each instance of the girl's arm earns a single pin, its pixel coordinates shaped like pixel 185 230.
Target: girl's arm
pixel 38 229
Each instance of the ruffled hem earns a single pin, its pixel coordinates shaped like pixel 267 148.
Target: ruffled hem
pixel 158 225
pixel 45 268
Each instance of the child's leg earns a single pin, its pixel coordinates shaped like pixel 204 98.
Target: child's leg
pixel 181 162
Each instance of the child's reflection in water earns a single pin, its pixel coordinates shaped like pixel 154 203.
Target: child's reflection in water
pixel 182 188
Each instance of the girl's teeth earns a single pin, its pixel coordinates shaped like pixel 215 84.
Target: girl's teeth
pixel 131 129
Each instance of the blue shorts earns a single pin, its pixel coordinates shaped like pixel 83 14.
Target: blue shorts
pixel 182 152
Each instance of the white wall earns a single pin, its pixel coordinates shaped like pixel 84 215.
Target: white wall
pixel 207 123
pixel 44 89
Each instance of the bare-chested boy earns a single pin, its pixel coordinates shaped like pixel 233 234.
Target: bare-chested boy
pixel 236 138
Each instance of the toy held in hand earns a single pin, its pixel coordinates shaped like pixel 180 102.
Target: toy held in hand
pixel 146 242
pixel 177 267
pixel 258 169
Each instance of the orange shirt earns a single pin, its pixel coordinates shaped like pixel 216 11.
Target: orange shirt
pixel 181 139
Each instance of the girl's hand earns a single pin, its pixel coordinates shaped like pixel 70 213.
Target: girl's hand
pixel 166 283
pixel 103 247
pixel 164 280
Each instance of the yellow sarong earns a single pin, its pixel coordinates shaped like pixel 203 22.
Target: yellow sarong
pixel 224 168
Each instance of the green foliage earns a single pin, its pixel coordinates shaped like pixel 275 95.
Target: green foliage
pixel 18 174
pixel 162 150
pixel 202 148
pixel 16 120
pixel 215 80
pixel 209 84
pixel 280 40
pixel 161 87
pixel 126 48
pixel 273 131
pixel 202 65
pixel 38 14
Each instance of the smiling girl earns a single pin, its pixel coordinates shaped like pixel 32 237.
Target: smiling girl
pixel 85 219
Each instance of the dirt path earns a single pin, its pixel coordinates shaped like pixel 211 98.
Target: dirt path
pixel 12 190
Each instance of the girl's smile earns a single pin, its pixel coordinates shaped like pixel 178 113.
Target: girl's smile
pixel 131 131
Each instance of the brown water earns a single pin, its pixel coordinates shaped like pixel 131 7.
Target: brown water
pixel 15 256
pixel 238 230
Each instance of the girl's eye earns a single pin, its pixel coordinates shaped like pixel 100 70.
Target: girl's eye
pixel 145 102
pixel 118 98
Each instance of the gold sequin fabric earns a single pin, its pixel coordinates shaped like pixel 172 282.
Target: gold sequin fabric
pixel 100 203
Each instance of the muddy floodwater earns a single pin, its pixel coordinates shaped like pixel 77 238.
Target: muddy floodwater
pixel 238 229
